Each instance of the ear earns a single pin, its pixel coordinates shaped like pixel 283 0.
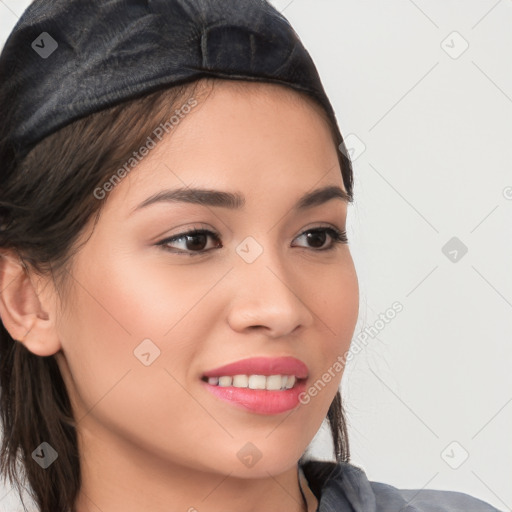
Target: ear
pixel 24 308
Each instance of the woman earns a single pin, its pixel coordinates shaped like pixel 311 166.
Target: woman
pixel 178 295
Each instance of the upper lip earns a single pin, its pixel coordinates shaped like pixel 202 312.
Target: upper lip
pixel 262 366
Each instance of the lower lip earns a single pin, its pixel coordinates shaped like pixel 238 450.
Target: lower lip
pixel 261 401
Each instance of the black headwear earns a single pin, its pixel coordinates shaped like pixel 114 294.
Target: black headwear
pixel 66 59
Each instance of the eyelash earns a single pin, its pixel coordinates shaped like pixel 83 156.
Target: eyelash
pixel 337 236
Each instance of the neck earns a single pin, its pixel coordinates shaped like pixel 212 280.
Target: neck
pixel 310 500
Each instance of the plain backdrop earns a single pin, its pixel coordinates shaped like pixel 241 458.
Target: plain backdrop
pixel 423 95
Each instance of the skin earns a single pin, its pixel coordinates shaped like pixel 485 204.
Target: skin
pixel 151 437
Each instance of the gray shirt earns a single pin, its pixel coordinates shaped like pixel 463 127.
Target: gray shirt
pixel 344 487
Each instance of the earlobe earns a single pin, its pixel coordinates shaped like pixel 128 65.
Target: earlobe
pixel 22 311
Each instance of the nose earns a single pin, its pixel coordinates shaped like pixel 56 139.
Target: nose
pixel 268 295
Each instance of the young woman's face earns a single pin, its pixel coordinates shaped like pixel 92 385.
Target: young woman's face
pixel 146 320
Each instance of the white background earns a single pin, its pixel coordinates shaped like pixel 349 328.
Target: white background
pixel 430 127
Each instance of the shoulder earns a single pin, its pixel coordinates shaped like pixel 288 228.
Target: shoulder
pixel 426 500
pixel 345 487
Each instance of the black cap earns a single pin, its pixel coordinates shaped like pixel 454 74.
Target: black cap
pixel 66 59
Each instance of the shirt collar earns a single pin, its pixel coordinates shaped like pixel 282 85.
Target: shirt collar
pixel 346 489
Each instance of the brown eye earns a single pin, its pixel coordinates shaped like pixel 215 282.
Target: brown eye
pixel 317 237
pixel 194 241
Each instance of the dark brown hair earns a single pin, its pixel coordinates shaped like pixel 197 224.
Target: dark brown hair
pixel 46 200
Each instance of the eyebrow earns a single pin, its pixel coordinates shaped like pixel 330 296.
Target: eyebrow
pixel 235 200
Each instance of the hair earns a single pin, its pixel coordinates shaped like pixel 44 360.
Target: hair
pixel 46 200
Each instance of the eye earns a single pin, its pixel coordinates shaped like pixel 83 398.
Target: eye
pixel 195 241
pixel 317 236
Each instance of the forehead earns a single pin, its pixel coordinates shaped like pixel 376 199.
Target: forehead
pixel 258 93
pixel 248 137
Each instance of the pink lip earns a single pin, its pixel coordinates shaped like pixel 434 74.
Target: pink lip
pixel 262 366
pixel 261 401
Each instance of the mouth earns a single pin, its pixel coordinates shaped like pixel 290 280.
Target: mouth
pixel 261 385
pixel 269 382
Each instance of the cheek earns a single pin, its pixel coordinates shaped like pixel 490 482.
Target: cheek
pixel 138 298
pixel 334 300
pixel 336 307
pixel 112 311
pixel 119 304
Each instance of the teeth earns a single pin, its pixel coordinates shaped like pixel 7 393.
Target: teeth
pixel 257 382
pixel 290 381
pixel 225 381
pixel 272 382
pixel 240 381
